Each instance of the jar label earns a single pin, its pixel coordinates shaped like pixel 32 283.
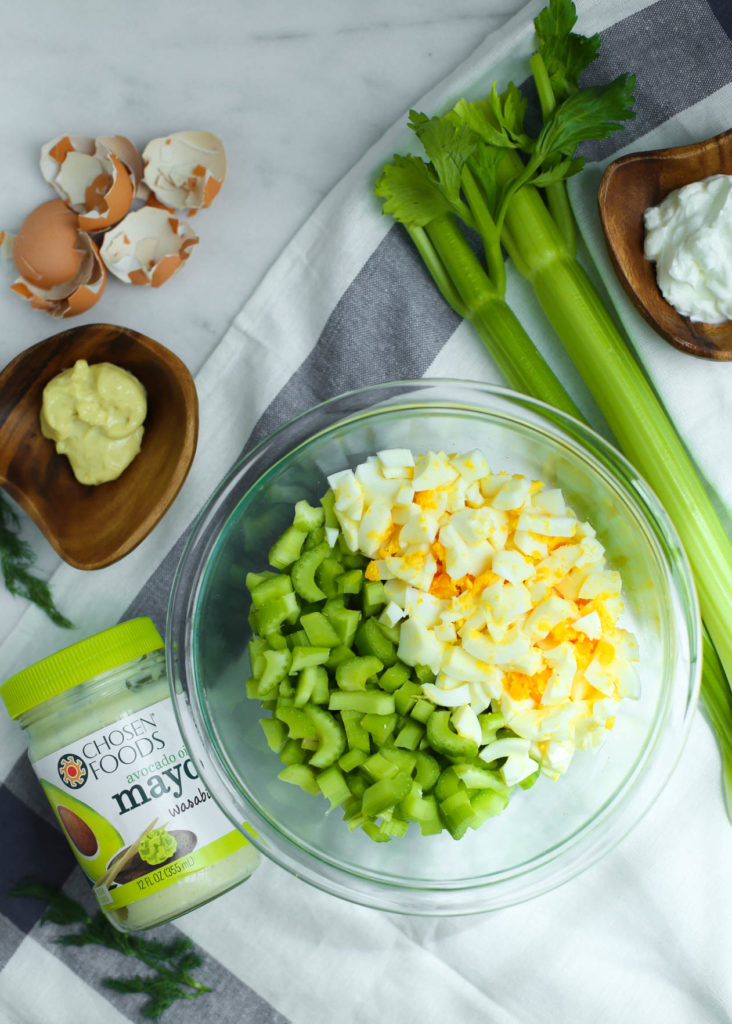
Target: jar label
pixel 131 803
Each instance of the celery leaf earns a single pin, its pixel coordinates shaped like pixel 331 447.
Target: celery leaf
pixel 412 193
pixel 565 54
pixel 592 113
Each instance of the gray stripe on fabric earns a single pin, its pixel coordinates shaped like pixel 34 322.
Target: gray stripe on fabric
pixel 679 53
pixel 230 1001
pixel 391 322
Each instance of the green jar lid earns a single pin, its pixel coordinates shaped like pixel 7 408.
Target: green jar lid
pixel 78 663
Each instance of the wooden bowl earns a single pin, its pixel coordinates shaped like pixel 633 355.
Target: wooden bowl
pixel 630 185
pixel 91 527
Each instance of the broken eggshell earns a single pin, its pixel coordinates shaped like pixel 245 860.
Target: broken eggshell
pixel 148 246
pixel 185 170
pixel 92 177
pixel 60 268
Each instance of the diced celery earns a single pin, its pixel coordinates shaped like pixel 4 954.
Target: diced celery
pixel 301 775
pixel 321 690
pixel 333 786
pixel 286 549
pixel 298 638
pixel 375 832
pixel 394 827
pixel 529 781
pixel 486 803
pixel 409 735
pixel 337 655
pixel 330 734
pixel 319 630
pixel 270 585
pixel 405 697
pixel 305 655
pixel 257 646
pixel 276 640
pixel 292 753
pixel 457 812
pixel 490 723
pixel 424 674
pixel 274 612
pixel 447 784
pixel 370 639
pixel 392 633
pixel 405 760
pixel 328 576
pixel 306 517
pixel 350 582
pixel 275 733
pixel 380 767
pixel 315 537
pixel 328 504
pixel 385 793
pixel 356 736
pixel 427 770
pixel 379 726
pixel 303 572
pixel 422 710
pixel 352 758
pixel 253 579
pixel 352 673
pixel 358 784
pixel 447 742
pixel 306 683
pixel 299 725
pixel 394 677
pixel 368 701
pixel 373 597
pixel 251 687
pixel 276 667
pixel 475 777
pixel 343 620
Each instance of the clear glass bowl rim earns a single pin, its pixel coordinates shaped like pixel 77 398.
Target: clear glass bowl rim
pixel 554 867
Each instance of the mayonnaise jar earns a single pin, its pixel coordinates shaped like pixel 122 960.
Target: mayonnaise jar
pixel 689 237
pixel 104 742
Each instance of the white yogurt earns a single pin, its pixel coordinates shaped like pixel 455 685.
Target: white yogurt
pixel 689 237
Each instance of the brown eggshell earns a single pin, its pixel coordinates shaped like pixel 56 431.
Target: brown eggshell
pixel 92 177
pixel 185 170
pixel 73 297
pixel 46 250
pixel 127 152
pixel 107 207
pixel 148 246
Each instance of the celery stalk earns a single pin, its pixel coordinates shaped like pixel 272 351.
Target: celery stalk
pixel 499 329
pixel 717 703
pixel 633 412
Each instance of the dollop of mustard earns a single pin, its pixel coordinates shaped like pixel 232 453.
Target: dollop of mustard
pixel 95 415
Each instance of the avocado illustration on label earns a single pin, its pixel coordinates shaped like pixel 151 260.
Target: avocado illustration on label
pixel 93 839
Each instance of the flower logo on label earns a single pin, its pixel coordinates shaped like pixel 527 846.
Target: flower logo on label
pixel 72 771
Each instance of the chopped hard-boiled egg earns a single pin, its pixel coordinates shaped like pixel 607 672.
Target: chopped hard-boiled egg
pixel 497 588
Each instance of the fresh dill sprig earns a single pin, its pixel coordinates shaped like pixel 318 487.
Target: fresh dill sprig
pixel 16 560
pixel 170 963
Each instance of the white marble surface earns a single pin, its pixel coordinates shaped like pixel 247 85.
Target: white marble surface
pixel 296 91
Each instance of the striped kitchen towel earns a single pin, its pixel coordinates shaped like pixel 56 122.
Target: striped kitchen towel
pixel 646 934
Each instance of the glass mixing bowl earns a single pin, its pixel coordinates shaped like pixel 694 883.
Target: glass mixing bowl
pixel 548 833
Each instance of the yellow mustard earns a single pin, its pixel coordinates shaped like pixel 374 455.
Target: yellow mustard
pixel 95 415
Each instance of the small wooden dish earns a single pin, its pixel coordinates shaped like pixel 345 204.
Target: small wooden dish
pixel 91 527
pixel 630 185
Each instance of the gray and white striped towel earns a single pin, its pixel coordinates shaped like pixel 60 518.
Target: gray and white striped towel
pixel 646 935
